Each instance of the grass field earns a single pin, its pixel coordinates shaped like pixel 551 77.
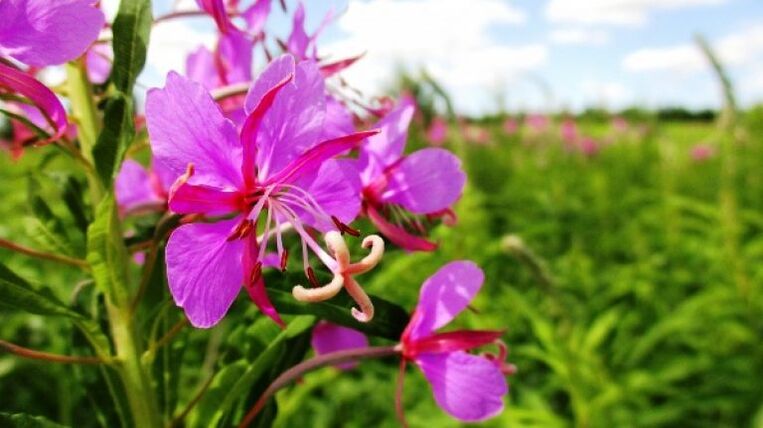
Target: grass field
pixel 631 283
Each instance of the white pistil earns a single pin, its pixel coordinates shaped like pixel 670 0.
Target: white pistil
pixel 343 275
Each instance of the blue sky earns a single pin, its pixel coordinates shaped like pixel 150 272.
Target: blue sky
pixel 535 55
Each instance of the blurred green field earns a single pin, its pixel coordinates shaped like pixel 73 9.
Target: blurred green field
pixel 632 288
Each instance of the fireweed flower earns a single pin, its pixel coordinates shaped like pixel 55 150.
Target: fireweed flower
pixel 275 174
pixel 437 131
pixel 510 126
pixel 39 33
pixel 468 387
pixel 328 337
pixel 398 189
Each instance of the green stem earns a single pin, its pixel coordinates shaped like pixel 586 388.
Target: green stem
pixel 85 115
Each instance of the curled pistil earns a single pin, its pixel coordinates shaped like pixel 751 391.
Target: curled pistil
pixel 344 275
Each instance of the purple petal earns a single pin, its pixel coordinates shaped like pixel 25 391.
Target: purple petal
pixel 336 189
pixel 298 40
pixel 254 282
pixel 133 187
pixel 256 15
pixel 98 62
pixel 444 295
pixel 200 199
pixel 216 9
pixel 397 234
pixel 426 181
pixel 338 120
pixel 328 337
pixel 45 32
pixel 295 121
pixel 235 57
pixel 200 67
pixel 470 388
pixel 381 151
pixel 186 126
pixel 204 270
pixel 43 98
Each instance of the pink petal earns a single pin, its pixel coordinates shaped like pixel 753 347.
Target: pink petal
pixel 200 67
pixel 426 181
pixel 98 62
pixel 384 149
pixel 133 187
pixel 45 32
pixel 216 9
pixel 200 199
pixel 397 234
pixel 468 387
pixel 255 283
pixel 256 15
pixel 444 295
pixel 298 40
pixel 43 98
pixel 204 270
pixel 294 123
pixel 234 52
pixel 185 127
pixel 336 189
pixel 328 337
pixel 338 120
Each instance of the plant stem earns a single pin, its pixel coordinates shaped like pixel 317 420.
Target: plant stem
pixel 54 358
pixel 300 369
pixel 86 116
pixel 4 243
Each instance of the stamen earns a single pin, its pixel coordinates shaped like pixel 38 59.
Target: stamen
pixel 284 259
pixel 344 228
pixel 256 274
pixel 311 277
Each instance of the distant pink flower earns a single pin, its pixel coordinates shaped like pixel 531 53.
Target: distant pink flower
pixel 98 61
pixel 588 146
pixel 569 131
pixel 328 337
pixel 619 124
pixel 510 126
pixel 437 132
pixel 469 387
pixel 537 122
pixel 277 163
pixel 475 134
pixel 403 187
pixel 39 33
pixel 702 152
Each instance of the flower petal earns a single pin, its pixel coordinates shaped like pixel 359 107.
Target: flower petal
pixel 426 181
pixel 200 199
pixel 397 234
pixel 98 61
pixel 384 149
pixel 44 32
pixel 43 98
pixel 234 53
pixel 338 120
pixel 216 9
pixel 200 67
pixel 335 187
pixel 295 121
pixel 298 39
pixel 187 127
pixel 255 283
pixel 444 295
pixel 256 15
pixel 133 187
pixel 328 337
pixel 204 270
pixel 468 387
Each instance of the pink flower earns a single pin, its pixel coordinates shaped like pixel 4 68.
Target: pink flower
pixel 475 134
pixel 569 131
pixel 424 183
pixel 437 132
pixel 510 126
pixel 588 146
pixel 138 189
pixel 276 164
pixel 619 124
pixel 702 152
pixel 469 387
pixel 537 122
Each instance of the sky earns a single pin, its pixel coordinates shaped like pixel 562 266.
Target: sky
pixel 524 54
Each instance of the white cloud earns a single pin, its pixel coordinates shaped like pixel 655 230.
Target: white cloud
pixel 578 36
pixel 614 12
pixel 449 38
pixel 606 94
pixel 733 50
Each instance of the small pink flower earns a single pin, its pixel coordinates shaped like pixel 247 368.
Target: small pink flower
pixel 588 146
pixel 328 337
pixel 569 131
pixel 437 132
pixel 510 126
pixel 537 122
pixel 475 134
pixel 702 152
pixel 619 124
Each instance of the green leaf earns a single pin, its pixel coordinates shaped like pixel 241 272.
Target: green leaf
pixel 45 227
pixel 73 192
pixel 389 320
pixel 106 251
pixel 132 27
pixel 16 293
pixel 235 380
pixel 116 137
pixel 22 420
